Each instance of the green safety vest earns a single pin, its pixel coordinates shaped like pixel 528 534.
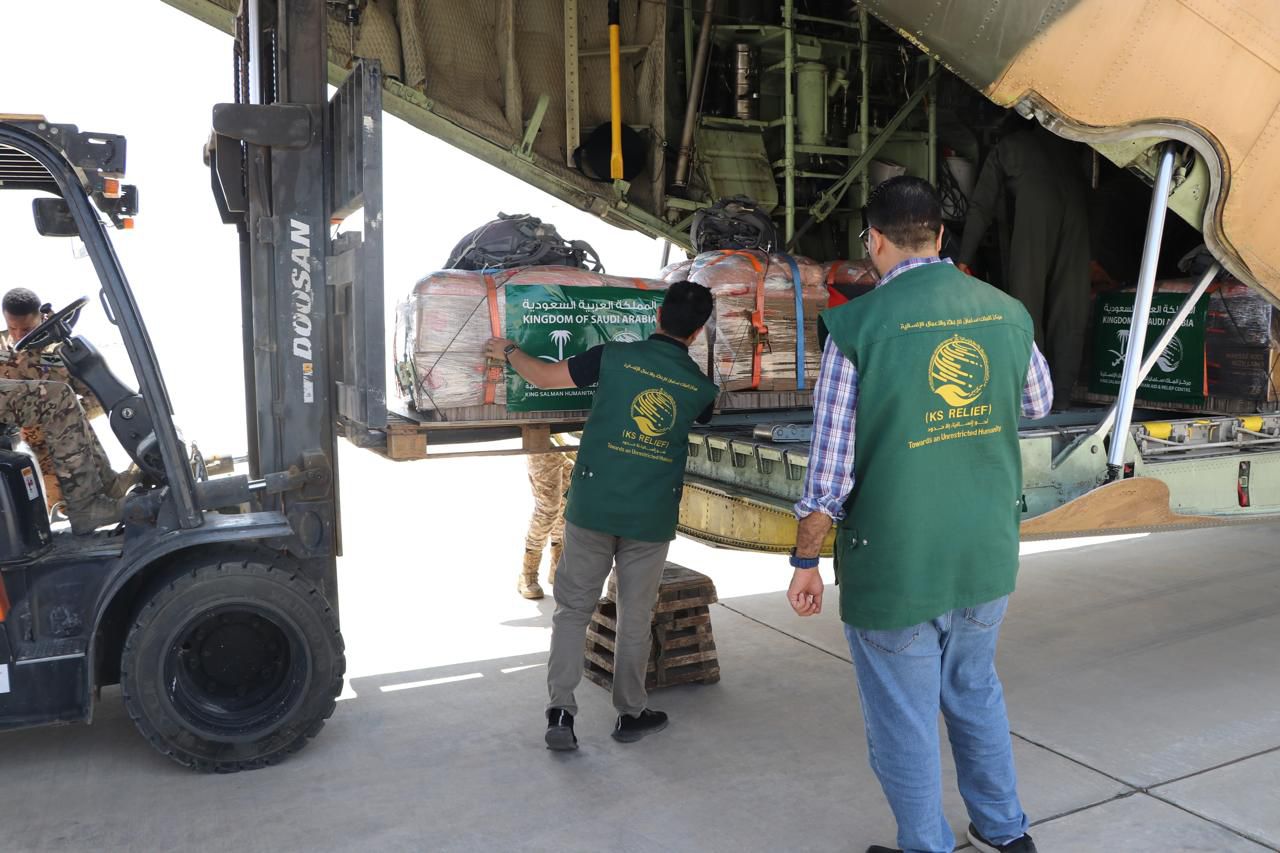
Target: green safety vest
pixel 932 522
pixel 630 468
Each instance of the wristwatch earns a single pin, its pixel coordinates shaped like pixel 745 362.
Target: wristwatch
pixel 506 352
pixel 803 562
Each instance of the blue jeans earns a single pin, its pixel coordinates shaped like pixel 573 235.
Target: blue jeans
pixel 905 676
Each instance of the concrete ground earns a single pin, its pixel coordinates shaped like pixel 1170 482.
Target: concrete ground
pixel 1142 678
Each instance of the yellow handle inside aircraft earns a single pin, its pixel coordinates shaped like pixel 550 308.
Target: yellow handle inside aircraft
pixel 615 100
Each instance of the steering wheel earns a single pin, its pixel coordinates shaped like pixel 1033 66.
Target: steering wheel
pixel 55 329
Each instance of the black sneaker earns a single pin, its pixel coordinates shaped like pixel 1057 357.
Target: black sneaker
pixel 560 736
pixel 1023 844
pixel 877 848
pixel 630 729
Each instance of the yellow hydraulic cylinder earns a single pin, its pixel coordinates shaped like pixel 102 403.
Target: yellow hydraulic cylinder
pixel 1158 429
pixel 615 90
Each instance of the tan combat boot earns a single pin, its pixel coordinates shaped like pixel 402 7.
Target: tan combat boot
pixel 98 512
pixel 52 492
pixel 118 485
pixel 557 548
pixel 528 583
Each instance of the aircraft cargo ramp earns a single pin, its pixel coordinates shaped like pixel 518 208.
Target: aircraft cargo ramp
pixel 742 480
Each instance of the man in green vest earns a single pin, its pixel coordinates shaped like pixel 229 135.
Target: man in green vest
pixel 624 498
pixel 926 376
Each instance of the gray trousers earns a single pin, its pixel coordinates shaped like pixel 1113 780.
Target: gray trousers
pixel 584 567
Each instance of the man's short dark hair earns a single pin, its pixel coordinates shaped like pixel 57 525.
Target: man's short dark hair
pixel 21 302
pixel 685 309
pixel 906 210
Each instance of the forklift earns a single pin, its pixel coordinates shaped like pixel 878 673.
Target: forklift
pixel 214 604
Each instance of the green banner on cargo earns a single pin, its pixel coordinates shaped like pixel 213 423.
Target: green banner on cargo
pixel 555 323
pixel 1179 375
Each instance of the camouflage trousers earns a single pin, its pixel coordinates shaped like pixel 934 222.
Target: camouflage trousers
pixel 75 455
pixel 35 366
pixel 549 478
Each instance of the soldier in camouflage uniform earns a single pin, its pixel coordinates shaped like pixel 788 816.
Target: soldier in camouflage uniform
pixel 549 479
pixel 38 395
pixel 44 367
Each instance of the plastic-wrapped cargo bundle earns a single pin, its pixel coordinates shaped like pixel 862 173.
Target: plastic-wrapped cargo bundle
pixel 1231 345
pixel 847 280
pixel 442 327
pixel 755 331
pixel 1241 346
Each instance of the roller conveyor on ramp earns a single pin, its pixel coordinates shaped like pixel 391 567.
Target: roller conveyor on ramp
pixel 1194 472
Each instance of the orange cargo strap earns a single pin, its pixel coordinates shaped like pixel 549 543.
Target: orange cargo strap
pixel 493 374
pixel 640 285
pixel 834 297
pixel 4 601
pixel 757 322
pixel 757 316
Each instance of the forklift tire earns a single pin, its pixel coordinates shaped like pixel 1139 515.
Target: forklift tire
pixel 233 663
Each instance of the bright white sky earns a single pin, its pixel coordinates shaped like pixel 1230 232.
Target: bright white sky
pixel 158 88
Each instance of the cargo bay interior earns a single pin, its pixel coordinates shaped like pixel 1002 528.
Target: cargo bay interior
pixel 802 107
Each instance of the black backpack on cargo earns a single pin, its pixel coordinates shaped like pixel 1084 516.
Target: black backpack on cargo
pixel 520 240
pixel 733 223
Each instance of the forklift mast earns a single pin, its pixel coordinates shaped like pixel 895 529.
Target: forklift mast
pixel 289 167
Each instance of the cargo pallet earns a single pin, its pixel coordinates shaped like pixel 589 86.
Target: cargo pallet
pixel 410 434
pixel 1212 405
pixel 407 437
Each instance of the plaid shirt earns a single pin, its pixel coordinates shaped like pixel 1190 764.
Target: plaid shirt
pixel 829 479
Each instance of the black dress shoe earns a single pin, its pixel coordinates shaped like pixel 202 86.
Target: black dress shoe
pixel 560 736
pixel 1021 844
pixel 630 729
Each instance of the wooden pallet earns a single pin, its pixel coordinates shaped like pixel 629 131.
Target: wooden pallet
pixel 409 433
pixel 683 648
pixel 411 439
pixel 1211 405
pixel 491 414
pixel 763 399
pixel 689 658
pixel 680 588
pixel 740 397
